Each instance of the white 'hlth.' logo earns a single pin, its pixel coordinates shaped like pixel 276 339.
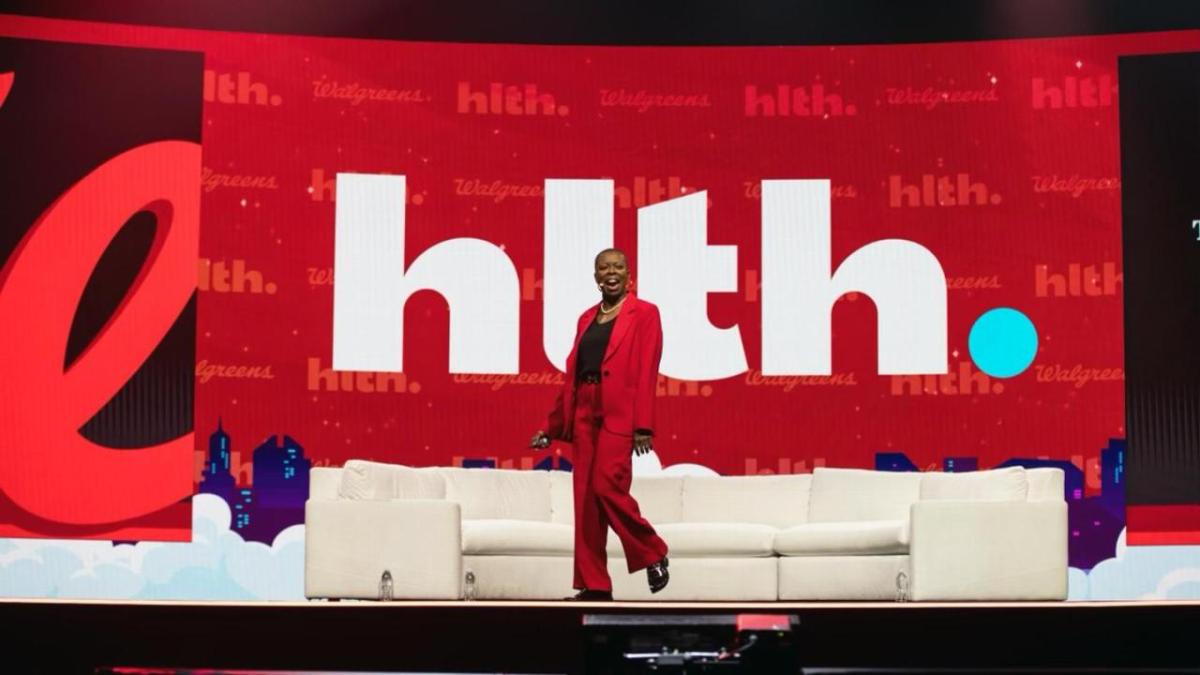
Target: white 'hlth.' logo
pixel 677 270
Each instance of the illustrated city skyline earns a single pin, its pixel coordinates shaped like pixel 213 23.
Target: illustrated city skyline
pixel 277 487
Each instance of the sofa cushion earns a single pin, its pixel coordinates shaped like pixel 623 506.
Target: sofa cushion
pixel 562 496
pixel 324 482
pixel 659 498
pixel 516 537
pixel 850 577
pixel 997 485
pixel 778 501
pixel 499 493
pixel 864 537
pixel 1046 485
pixel 361 479
pixel 839 495
pixel 719 540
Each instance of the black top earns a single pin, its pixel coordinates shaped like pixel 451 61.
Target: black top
pixel 591 353
pixel 591 348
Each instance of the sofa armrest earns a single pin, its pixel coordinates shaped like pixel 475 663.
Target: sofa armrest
pixel 976 550
pixel 348 544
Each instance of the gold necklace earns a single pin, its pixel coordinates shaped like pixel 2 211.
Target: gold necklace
pixel 614 307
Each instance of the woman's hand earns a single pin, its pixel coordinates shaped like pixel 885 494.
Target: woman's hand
pixel 540 440
pixel 642 443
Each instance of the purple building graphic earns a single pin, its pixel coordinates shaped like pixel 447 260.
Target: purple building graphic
pixel 547 463
pixel 893 461
pixel 217 479
pixel 276 499
pixel 960 464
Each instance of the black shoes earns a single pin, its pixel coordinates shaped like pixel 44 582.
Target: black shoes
pixel 591 596
pixel 658 576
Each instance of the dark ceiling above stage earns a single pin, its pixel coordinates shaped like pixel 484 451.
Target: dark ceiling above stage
pixel 729 22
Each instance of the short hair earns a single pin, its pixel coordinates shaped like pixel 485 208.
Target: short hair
pixel 610 250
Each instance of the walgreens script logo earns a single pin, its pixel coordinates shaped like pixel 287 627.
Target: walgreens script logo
pixel 46 466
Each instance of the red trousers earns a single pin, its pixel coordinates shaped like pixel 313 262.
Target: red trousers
pixel 603 473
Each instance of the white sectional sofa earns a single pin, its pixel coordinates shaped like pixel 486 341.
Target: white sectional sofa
pixel 835 534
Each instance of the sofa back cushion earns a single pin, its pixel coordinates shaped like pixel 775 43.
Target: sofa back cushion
pixel 997 485
pixel 659 498
pixel 499 493
pixel 1046 485
pixel 844 495
pixel 362 479
pixel 324 482
pixel 562 497
pixel 778 501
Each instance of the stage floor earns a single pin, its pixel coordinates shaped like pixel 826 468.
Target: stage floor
pixel 779 606
pixel 548 637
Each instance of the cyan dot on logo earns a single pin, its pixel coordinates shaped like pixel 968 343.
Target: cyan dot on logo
pixel 1002 342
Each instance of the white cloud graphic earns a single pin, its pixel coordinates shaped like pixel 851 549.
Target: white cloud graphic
pixel 1077 584
pixel 216 565
pixel 1146 573
pixel 1177 585
pixel 649 464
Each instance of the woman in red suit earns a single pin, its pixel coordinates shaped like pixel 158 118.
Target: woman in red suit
pixel 606 410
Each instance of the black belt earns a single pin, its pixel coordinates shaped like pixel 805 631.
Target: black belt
pixel 590 378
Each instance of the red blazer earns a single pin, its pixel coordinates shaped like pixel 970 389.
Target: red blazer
pixel 629 375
